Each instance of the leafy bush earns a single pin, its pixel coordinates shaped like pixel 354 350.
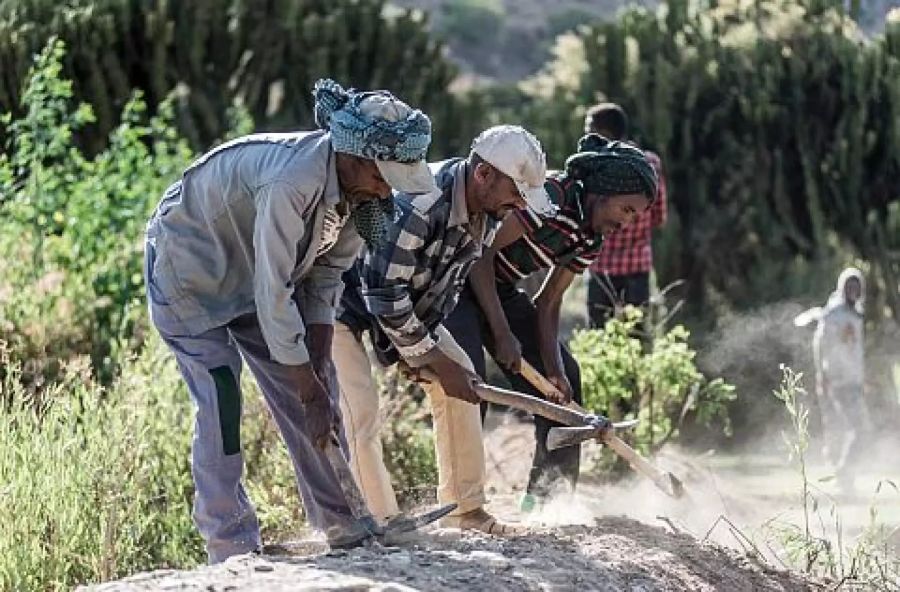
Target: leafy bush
pixel 568 19
pixel 218 53
pixel 779 127
pixel 659 387
pixel 71 228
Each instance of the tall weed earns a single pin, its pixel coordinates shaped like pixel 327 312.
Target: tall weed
pixel 819 544
pixel 96 482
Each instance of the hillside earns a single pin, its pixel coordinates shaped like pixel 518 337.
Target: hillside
pixel 509 39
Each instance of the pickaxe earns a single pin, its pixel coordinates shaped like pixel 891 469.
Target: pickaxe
pixel 360 510
pixel 583 426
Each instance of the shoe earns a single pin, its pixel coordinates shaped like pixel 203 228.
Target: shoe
pixel 529 503
pixel 478 519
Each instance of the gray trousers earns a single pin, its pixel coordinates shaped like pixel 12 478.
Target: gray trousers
pixel 211 365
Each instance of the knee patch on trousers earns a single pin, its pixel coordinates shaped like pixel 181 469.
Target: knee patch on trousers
pixel 228 395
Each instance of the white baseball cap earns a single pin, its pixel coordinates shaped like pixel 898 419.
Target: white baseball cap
pixel 516 153
pixel 406 177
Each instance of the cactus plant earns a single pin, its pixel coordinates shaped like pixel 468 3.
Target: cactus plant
pixel 214 53
pixel 779 125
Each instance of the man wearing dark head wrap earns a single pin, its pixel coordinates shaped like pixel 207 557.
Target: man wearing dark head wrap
pixel 605 186
pixel 620 275
pixel 244 257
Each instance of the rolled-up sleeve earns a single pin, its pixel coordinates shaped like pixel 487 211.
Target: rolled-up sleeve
pixel 322 287
pixel 278 228
pixel 386 276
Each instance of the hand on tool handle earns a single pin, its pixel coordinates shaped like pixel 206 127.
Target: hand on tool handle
pixel 507 351
pixel 561 393
pixel 457 381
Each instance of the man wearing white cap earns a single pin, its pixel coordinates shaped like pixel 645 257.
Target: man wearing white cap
pixel 403 289
pixel 604 188
pixel 244 257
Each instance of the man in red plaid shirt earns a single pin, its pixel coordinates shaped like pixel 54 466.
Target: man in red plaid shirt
pixel 620 274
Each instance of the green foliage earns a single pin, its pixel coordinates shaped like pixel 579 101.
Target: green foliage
pixel 659 386
pixel 219 53
pixel 779 128
pixel 566 20
pixel 96 483
pixel 71 227
pixel 792 394
pixel 407 437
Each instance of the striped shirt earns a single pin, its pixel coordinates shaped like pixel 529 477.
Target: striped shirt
pixel 563 239
pixel 412 281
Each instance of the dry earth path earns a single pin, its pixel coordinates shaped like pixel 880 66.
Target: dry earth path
pixel 614 554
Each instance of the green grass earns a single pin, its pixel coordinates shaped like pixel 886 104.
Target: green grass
pixel 96 483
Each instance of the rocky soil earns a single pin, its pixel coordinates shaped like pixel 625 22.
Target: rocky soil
pixel 613 554
pixel 583 544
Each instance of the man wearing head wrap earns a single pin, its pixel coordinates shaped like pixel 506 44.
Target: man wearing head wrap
pixel 621 273
pixel 244 257
pixel 838 353
pixel 401 292
pixel 605 187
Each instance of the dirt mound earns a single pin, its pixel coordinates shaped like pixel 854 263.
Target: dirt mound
pixel 613 554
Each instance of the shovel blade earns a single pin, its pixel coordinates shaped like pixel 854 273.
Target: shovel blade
pixel 402 523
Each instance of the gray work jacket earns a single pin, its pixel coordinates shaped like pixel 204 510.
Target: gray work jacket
pixel 240 234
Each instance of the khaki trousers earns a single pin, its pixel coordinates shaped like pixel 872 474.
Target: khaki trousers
pixel 457 427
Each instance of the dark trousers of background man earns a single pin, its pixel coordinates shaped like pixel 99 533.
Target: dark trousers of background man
pixel 469 327
pixel 606 292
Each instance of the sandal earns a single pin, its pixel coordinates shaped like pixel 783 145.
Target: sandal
pixel 478 519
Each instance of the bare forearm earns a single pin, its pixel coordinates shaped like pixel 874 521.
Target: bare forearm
pixel 483 276
pixel 484 286
pixel 548 339
pixel 549 303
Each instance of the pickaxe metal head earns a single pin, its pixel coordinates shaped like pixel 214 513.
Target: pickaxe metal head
pixel 360 510
pixel 560 437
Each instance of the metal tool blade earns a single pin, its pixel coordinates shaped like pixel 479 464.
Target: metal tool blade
pixel 560 437
pixel 403 523
pixel 360 510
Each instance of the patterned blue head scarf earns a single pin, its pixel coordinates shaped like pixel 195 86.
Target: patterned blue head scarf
pixel 361 123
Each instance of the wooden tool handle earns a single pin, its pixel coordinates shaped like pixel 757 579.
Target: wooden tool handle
pixel 538 380
pixel 532 405
pixel 638 462
pixel 666 481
